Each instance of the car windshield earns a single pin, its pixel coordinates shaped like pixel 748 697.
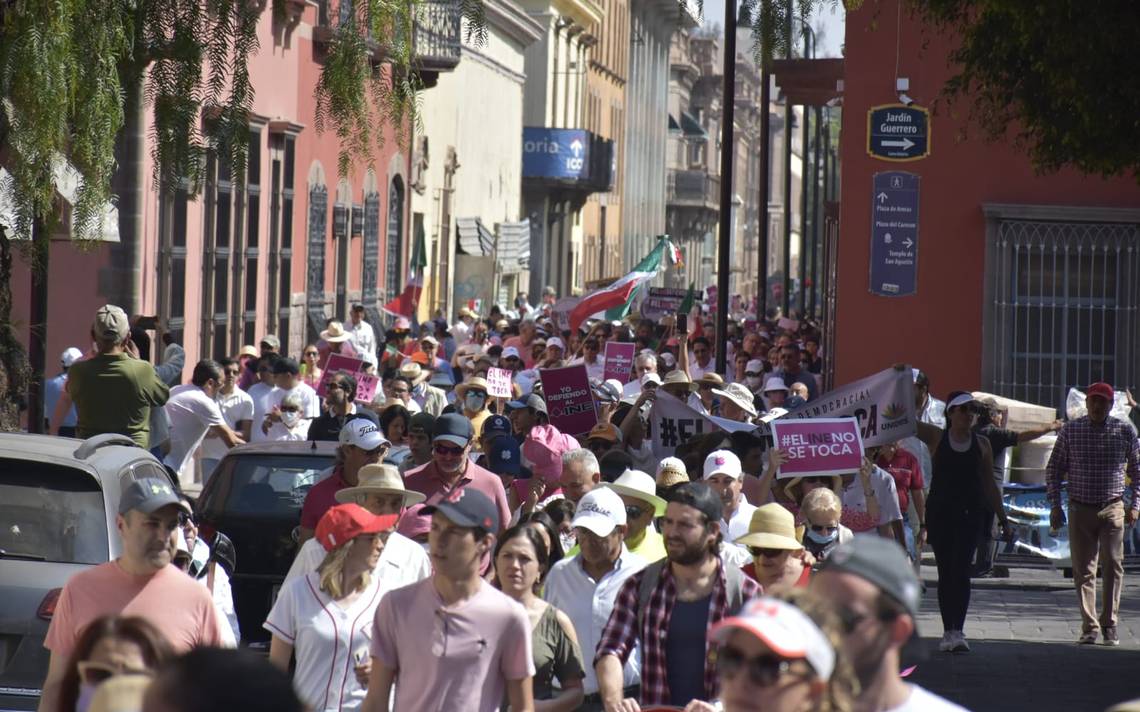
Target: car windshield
pixel 51 512
pixel 267 485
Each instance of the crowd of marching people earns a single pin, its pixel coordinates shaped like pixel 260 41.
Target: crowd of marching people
pixel 465 553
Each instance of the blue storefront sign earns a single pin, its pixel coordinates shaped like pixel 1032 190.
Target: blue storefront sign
pixel 896 132
pixel 894 234
pixel 556 153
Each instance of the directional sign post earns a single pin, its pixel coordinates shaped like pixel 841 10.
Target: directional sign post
pixel 896 132
pixel 894 234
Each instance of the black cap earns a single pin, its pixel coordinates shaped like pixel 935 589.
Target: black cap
pixel 467 507
pixel 148 495
pixel 453 428
pixel 701 497
pixel 422 422
pixel 496 424
pixel 883 563
pixel 533 401
pixel 504 456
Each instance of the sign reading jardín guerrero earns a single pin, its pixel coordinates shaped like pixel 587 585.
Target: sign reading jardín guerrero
pixel 896 132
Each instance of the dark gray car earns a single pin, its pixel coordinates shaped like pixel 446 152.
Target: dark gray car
pixel 58 501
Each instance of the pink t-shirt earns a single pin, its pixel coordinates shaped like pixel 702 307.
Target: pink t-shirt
pixel 426 480
pixel 451 657
pixel 178 606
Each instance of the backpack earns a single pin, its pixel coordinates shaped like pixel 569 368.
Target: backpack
pixel 733 585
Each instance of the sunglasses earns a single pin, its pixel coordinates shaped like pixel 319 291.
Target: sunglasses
pixel 823 528
pixel 441 449
pixel 311 353
pixel 633 511
pixel 95 673
pixel 766 553
pixel 818 480
pixel 753 374
pixel 763 670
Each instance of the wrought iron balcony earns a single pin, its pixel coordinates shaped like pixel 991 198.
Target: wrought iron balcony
pixel 436 40
pixel 692 189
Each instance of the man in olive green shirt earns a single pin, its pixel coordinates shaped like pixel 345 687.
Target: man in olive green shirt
pixel 114 391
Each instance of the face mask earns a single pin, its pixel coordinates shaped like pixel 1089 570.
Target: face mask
pixel 568 540
pixel 290 418
pixel 753 381
pixel 475 401
pixel 820 538
pixel 86 695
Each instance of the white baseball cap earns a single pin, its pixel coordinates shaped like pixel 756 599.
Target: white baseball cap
pixel 555 341
pixel 723 462
pixel 638 484
pixel 508 352
pixel 775 383
pixel 362 433
pixel 600 510
pixel 754 366
pixel 70 356
pixel 785 629
pixel 651 378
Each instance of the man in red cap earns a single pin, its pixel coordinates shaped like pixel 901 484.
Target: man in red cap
pixel 1089 460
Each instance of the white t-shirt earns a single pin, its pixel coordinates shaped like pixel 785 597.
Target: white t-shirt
pixel 738 525
pixel 191 413
pixel 364 341
pixel 402 562
pixel 262 395
pixel 236 407
pixel 310 401
pixel 855 500
pixel 696 371
pixel 327 640
pixel 921 700
pixel 278 433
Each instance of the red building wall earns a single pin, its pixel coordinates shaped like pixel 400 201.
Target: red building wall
pixel 940 328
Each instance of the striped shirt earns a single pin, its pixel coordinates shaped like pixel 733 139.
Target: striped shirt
pixel 1090 460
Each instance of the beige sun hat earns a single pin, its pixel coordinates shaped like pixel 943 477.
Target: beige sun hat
pixel 671 471
pixel 678 377
pixel 772 527
pixel 335 334
pixel 381 479
pixel 635 483
pixel 414 373
pixel 477 382
pixel 739 394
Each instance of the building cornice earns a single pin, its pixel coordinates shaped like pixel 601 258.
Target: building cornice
pixel 508 16
pixel 585 12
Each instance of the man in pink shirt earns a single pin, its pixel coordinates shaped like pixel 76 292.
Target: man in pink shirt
pixel 451 468
pixel 141 582
pixel 361 443
pixel 452 641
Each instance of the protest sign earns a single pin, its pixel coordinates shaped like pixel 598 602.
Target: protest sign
pixel 560 312
pixel 788 324
pixel 673 423
pixel 619 361
pixel 819 446
pixel 661 301
pixel 883 404
pixel 498 382
pixel 569 399
pixel 365 382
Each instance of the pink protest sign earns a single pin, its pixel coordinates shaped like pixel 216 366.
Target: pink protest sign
pixel 569 399
pixel 365 382
pixel 818 446
pixel 499 382
pixel 619 361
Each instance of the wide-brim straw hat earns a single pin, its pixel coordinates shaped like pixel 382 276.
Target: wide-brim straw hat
pixel 335 334
pixel 380 479
pixel 772 527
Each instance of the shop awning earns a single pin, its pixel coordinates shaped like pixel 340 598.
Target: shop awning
pixel 692 127
pixel 514 246
pixel 673 125
pixel 474 237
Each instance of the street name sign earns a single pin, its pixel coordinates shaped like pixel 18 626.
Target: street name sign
pixel 897 132
pixel 894 234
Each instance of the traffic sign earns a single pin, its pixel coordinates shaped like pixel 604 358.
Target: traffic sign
pixel 897 132
pixel 894 234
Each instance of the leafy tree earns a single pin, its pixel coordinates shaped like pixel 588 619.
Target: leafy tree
pixel 1059 77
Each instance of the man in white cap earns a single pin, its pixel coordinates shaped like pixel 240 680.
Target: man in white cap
pixel 114 391
pixel 53 388
pixel 723 472
pixel 643 364
pixel 555 349
pixel 584 586
pixel 775 393
pixel 435 363
pixel 361 443
pixel 638 493
pixel 380 490
pixel 736 402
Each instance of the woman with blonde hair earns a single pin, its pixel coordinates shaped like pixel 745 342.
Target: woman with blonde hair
pixel 324 618
pixel 822 510
pixel 781 653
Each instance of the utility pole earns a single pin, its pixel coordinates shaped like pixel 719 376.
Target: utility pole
pixel 727 154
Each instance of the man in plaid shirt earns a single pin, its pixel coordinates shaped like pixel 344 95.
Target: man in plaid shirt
pixel 1090 459
pixel 669 606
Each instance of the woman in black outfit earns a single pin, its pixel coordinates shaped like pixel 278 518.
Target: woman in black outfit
pixel 961 488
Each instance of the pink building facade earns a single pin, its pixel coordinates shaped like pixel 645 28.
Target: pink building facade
pixel 280 252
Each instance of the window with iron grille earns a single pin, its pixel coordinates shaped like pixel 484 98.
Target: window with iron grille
pixel 315 282
pixel 394 253
pixel 218 226
pixel 252 237
pixel 279 291
pixel 172 261
pixel 1063 311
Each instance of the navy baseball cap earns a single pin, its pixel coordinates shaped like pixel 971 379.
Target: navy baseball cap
pixel 453 428
pixel 504 456
pixel 496 424
pixel 533 401
pixel 467 507
pixel 148 495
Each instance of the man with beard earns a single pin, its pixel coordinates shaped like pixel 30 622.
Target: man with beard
pixel 871 585
pixel 141 582
pixel 668 607
pixel 340 394
pixel 724 474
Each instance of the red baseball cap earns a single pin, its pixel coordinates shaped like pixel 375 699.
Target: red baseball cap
pixel 1101 390
pixel 344 522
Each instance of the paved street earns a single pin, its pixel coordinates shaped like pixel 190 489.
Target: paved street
pixel 1022 632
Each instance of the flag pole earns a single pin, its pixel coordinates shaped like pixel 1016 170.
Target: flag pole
pixel 727 155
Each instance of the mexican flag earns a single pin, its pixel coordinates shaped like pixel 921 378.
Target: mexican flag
pixel 616 299
pixel 405 304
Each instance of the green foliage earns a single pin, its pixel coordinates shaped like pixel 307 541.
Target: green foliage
pixel 1058 77
pixel 769 20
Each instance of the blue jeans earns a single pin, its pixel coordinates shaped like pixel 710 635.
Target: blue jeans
pixel 908 532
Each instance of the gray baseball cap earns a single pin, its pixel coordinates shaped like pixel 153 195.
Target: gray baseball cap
pixel 883 563
pixel 148 495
